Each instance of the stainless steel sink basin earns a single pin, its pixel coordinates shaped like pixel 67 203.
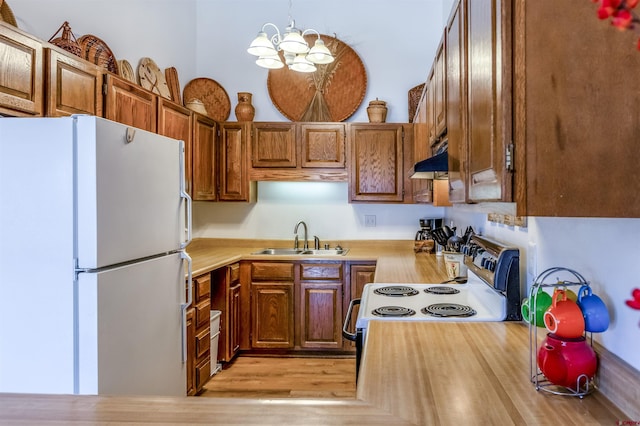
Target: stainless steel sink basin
pixel 326 252
pixel 297 252
pixel 279 251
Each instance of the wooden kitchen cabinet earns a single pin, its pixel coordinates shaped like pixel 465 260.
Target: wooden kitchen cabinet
pixel 456 103
pixel 234 167
pixel 422 188
pixel 322 145
pixel 191 350
pixel 576 120
pixel 272 305
pixel 440 91
pixel 320 305
pixel 489 100
pixel 127 103
pixel 359 275
pixel 174 121
pixel 198 335
pixel 378 171
pixel 273 145
pixel 72 85
pixel 225 297
pixel 203 159
pixel 21 73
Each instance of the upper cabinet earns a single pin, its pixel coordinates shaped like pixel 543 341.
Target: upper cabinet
pixel 456 103
pixel 378 168
pixel 72 85
pixel 576 115
pixel 234 173
pixel 21 79
pixel 204 159
pixel 440 91
pixel 489 100
pixel 174 121
pixel 130 104
pixel 298 151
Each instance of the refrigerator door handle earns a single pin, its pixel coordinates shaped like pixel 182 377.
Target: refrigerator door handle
pixel 185 195
pixel 185 305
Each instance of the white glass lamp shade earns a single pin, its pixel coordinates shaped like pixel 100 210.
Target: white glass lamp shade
pixel 301 64
pixel 272 62
pixel 319 53
pixel 294 42
pixel 262 46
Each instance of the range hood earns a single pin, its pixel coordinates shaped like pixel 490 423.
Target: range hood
pixel 426 169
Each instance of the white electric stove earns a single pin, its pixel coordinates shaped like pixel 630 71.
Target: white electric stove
pixel 491 293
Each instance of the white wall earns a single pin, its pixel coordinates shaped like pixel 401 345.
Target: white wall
pixel 323 206
pixel 605 251
pixel 396 41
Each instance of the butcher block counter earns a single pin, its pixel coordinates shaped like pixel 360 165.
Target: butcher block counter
pixel 412 373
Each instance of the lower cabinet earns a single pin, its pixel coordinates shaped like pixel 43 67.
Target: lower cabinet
pixel 360 274
pixel 225 297
pixel 198 335
pixel 297 307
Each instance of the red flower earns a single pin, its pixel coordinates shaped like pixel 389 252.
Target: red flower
pixel 632 3
pixel 622 19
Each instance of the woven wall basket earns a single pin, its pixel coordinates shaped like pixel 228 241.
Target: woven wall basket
pixel 332 93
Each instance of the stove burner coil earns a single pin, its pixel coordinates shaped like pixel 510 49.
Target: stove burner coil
pixel 448 310
pixel 396 291
pixel 393 311
pixel 441 290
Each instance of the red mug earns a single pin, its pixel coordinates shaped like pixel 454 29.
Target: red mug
pixel 564 317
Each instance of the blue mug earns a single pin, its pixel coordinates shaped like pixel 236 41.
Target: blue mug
pixel 594 311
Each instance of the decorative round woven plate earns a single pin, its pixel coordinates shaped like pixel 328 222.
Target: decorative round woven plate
pixel 212 95
pixel 126 71
pixel 6 14
pixel 332 93
pixel 96 51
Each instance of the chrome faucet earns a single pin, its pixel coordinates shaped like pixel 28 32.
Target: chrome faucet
pixel 295 241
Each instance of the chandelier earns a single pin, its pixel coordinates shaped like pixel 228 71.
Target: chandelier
pixel 295 49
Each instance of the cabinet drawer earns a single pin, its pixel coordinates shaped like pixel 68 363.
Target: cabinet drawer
pixel 202 288
pixel 321 271
pixel 203 316
pixel 203 373
pixel 234 273
pixel 271 271
pixel 203 343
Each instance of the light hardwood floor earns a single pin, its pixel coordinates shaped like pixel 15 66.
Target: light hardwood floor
pixel 266 377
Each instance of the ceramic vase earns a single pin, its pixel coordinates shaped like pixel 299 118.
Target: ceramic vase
pixel 245 110
pixel 377 111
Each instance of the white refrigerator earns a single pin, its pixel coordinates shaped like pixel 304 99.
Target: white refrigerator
pixel 94 219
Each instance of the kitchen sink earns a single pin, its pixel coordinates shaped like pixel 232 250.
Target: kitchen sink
pixel 326 252
pixel 297 252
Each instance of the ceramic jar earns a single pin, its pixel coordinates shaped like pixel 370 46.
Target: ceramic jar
pixel 377 111
pixel 245 110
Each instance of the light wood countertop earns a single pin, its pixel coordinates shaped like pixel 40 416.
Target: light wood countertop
pixel 396 261
pixel 420 373
pixel 439 373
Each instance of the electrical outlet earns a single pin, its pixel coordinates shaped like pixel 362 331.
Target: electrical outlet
pixel 369 220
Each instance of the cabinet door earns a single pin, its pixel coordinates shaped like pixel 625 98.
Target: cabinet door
pixel 233 324
pixel 376 164
pixel 191 352
pixel 440 95
pixel 129 104
pixel 234 173
pixel 322 145
pixel 272 310
pixel 359 276
pixel 456 104
pixel 21 82
pixel 489 105
pixel 273 145
pixel 174 121
pixel 320 315
pixel 431 108
pixel 421 187
pixel 73 86
pixel 205 165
